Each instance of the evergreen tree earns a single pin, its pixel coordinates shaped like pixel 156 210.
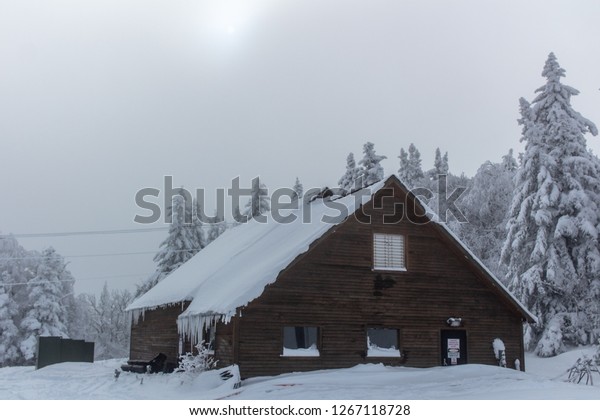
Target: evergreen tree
pixel 485 206
pixel 259 201
pixel 410 171
pixel 215 229
pixel 197 228
pixel 440 164
pixel 47 314
pixel 509 162
pixel 371 170
pixel 403 171
pixel 445 166
pixel 9 333
pixel 551 247
pixel 184 240
pixel 21 266
pixel 298 189
pixel 350 180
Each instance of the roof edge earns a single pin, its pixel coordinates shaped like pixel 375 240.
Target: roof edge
pixel 445 230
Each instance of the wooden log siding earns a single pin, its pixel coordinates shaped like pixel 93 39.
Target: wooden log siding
pixel 156 332
pixel 334 287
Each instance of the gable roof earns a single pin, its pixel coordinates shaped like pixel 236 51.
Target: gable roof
pixel 235 268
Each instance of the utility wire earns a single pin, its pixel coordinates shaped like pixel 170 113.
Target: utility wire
pixel 85 233
pixel 108 231
pixel 74 280
pixel 94 255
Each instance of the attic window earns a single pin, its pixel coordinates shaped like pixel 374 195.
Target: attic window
pixel 388 252
pixel 300 342
pixel 382 342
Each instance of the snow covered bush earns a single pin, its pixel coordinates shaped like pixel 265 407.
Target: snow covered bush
pixel 197 363
pixel 499 351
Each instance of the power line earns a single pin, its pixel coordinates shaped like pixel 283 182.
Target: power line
pixel 75 279
pixel 114 277
pixel 38 282
pixel 107 231
pixel 93 255
pixel 85 232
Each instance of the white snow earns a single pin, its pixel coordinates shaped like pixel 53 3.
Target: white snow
pixel 311 351
pixel 544 380
pixel 374 351
pixel 498 346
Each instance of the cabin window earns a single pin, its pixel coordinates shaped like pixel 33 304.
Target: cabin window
pixel 388 252
pixel 382 342
pixel 300 342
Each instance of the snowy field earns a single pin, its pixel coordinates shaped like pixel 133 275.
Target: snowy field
pixel 544 380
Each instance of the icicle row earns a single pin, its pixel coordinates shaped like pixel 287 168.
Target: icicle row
pixel 193 326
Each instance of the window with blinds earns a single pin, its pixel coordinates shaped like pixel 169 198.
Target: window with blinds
pixel 388 252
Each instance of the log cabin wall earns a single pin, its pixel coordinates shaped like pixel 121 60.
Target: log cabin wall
pixel 156 332
pixel 334 287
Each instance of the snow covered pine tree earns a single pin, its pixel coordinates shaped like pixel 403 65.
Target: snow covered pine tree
pixel 371 170
pixel 215 228
pixel 47 315
pixel 410 171
pixel 552 248
pixel 259 201
pixel 298 190
pixel 184 240
pixel 440 165
pixel 485 206
pixel 9 333
pixel 350 180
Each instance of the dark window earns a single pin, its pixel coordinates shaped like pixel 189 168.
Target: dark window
pixel 300 341
pixel 382 342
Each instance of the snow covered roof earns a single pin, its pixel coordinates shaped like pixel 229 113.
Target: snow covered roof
pixel 235 268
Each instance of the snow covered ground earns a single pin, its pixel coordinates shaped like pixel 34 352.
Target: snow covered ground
pixel 544 380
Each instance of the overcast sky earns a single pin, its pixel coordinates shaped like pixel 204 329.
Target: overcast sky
pixel 101 98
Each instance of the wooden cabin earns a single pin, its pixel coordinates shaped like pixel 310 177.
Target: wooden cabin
pixel 384 283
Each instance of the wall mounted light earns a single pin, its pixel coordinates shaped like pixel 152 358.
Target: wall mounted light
pixel 454 322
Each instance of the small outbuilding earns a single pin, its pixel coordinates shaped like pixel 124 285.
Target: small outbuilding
pixel 371 277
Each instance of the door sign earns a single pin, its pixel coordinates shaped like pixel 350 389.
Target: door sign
pixel 453 349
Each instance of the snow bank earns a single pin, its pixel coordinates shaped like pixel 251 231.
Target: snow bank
pixel 95 381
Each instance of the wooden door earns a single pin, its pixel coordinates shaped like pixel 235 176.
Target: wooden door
pixel 454 347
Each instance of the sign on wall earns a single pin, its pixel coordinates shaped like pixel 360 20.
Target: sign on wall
pixel 453 350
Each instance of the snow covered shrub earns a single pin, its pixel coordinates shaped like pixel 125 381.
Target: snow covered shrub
pixel 197 363
pixel 499 351
pixel 551 342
